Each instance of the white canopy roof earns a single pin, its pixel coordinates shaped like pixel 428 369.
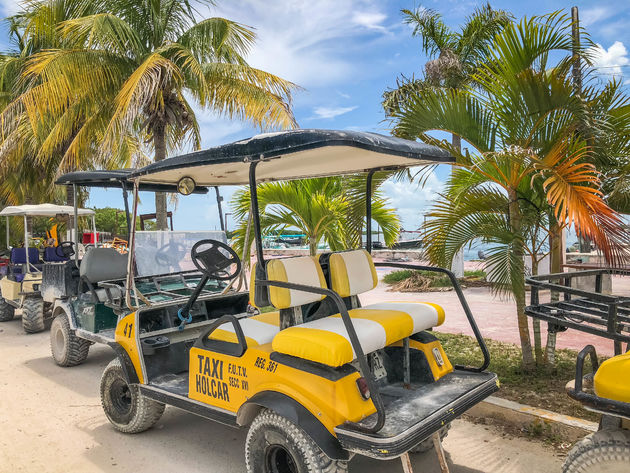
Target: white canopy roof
pixel 43 210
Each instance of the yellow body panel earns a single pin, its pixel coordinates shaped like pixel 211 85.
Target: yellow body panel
pixel 228 382
pixel 612 379
pixel 126 336
pixel 436 356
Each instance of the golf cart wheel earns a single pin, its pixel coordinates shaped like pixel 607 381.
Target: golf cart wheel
pixel 33 314
pixel 6 310
pixel 128 410
pixel 606 451
pixel 67 349
pixel 427 444
pixel 276 445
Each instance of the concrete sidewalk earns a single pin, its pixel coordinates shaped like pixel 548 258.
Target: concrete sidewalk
pixel 52 421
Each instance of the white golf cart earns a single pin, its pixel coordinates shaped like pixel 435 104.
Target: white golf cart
pixel 29 269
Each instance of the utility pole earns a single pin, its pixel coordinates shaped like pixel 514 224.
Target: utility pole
pixel 585 245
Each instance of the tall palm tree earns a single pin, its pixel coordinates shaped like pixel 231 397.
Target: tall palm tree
pixel 455 56
pixel 328 209
pixel 135 69
pixel 522 121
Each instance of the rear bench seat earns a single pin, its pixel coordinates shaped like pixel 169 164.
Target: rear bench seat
pixel 326 340
pixel 258 329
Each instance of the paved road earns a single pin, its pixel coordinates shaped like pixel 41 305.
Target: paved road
pixel 51 421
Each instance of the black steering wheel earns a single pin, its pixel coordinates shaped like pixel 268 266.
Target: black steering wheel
pixel 65 249
pixel 170 254
pixel 216 260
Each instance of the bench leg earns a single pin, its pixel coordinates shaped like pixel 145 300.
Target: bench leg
pixel 437 443
pixel 406 463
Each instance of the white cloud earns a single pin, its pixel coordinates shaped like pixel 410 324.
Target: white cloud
pixel 371 20
pixel 304 41
pixel 609 61
pixel 331 112
pixel 412 201
pixel 592 15
pixel 10 7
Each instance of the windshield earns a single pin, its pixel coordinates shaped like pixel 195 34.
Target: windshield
pixel 165 252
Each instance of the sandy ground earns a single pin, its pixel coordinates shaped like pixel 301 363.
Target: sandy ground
pixel 51 421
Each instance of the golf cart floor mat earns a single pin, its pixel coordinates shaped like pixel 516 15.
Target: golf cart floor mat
pixel 173 383
pixel 413 414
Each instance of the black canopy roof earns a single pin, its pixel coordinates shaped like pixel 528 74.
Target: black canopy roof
pixel 293 154
pixel 114 179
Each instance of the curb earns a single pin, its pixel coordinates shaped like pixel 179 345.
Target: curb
pixel 513 414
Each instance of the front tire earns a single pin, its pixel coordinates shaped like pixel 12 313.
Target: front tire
pixel 7 312
pixel 276 445
pixel 606 451
pixel 33 314
pixel 128 410
pixel 67 349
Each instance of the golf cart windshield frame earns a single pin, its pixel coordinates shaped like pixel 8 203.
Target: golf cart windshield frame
pixel 312 153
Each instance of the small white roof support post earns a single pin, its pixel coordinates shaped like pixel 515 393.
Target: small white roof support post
pixel 94 230
pixel 28 260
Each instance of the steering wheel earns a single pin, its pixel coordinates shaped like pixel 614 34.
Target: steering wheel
pixel 170 254
pixel 214 259
pixel 65 249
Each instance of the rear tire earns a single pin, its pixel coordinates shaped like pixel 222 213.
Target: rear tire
pixel 427 444
pixel 128 410
pixel 7 312
pixel 33 314
pixel 275 444
pixel 67 349
pixel 606 451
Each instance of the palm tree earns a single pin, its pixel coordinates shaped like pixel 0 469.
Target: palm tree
pixel 130 70
pixel 522 121
pixel 325 209
pixel 455 57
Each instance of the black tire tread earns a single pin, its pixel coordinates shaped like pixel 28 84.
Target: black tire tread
pixel 147 411
pixel 77 349
pixel 7 312
pixel 33 314
pixel 593 451
pixel 317 461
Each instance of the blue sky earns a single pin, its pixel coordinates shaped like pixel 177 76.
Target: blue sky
pixel 344 54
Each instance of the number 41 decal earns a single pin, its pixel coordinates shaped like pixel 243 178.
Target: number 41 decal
pixel 127 331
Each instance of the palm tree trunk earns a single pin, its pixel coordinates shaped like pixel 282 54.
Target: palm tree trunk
pixel 536 322
pixel 457 265
pixel 312 245
pixel 555 266
pixel 518 283
pixel 159 142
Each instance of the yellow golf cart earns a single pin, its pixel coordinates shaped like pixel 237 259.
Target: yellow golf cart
pixel 321 377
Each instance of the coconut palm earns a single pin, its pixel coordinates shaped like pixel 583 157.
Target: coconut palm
pixel 323 209
pixel 522 121
pixel 136 69
pixel 455 55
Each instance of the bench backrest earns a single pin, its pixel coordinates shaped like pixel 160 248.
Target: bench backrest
pixel 352 272
pixel 18 255
pixel 103 264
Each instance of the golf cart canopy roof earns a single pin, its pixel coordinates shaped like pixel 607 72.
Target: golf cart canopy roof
pixel 114 179
pixel 43 210
pixel 295 154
